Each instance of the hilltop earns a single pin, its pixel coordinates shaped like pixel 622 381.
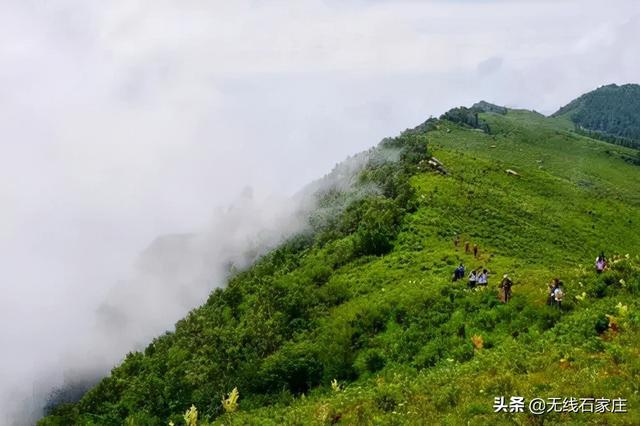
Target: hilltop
pixel 611 113
pixel 357 321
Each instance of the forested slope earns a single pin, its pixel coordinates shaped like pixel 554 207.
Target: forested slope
pixel 610 113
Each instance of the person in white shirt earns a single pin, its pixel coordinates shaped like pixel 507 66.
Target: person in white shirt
pixel 601 263
pixel 473 279
pixel 558 295
pixel 483 278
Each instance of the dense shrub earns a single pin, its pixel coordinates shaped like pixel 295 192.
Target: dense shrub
pixel 377 227
pixel 430 354
pixel 466 116
pixel 296 368
pixel 369 361
pixel 601 324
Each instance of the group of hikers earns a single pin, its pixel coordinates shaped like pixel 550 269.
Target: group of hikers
pixel 555 287
pixel 467 246
pixel 480 278
pixel 555 294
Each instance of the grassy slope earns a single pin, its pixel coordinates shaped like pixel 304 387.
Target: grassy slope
pixel 571 201
pixel 407 330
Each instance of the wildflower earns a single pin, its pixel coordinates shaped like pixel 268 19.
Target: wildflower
pixel 622 309
pixel 322 413
pixel 230 404
pixel 191 416
pixel 478 342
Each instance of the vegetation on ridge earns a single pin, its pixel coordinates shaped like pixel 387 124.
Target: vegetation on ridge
pixel 610 113
pixel 359 323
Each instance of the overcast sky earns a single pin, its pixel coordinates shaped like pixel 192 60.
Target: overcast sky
pixel 124 120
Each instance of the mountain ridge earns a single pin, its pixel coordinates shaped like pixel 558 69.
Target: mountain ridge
pixel 357 322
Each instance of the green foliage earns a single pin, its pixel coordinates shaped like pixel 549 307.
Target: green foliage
pixel 430 354
pixel 601 324
pixel 466 117
pixel 61 415
pixel 610 113
pixel 365 300
pixel 295 367
pixel 369 361
pixel 378 224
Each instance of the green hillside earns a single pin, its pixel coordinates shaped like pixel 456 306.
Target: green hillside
pixel 610 113
pixel 358 321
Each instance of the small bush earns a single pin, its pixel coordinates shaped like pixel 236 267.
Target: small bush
pixel 430 354
pixel 601 324
pixel 377 227
pixel 463 352
pixel 320 274
pixel 386 401
pixel 293 368
pixel 369 361
pixel 341 252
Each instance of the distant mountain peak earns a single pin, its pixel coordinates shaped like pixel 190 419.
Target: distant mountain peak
pixel 484 106
pixel 610 112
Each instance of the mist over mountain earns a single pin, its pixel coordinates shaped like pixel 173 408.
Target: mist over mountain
pixel 129 132
pixel 178 271
pixel 356 308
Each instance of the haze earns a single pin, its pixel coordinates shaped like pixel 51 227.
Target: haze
pixel 123 121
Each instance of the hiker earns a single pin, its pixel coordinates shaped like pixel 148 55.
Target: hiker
pixel 551 289
pixel 466 247
pixel 601 263
pixel 456 241
pixel 458 274
pixel 475 250
pixel 505 289
pixel 473 278
pixel 558 295
pixel 483 278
